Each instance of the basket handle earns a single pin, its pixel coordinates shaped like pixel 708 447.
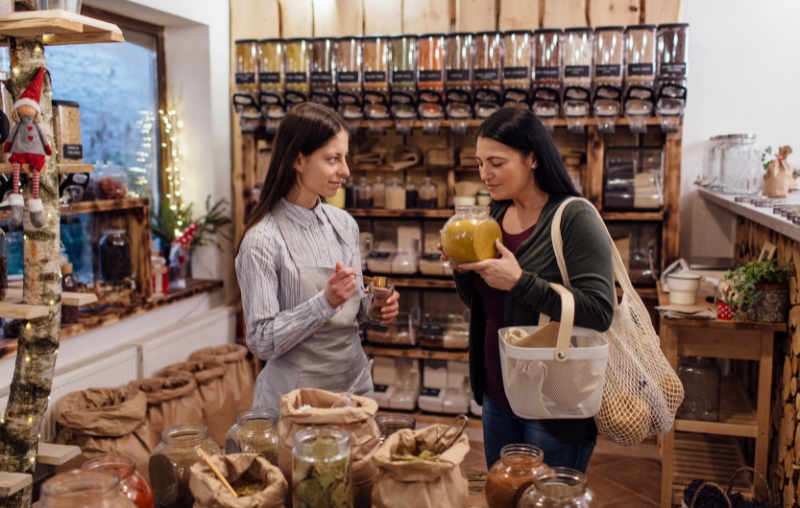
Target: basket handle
pixel 567 321
pixel 713 486
pixel 755 473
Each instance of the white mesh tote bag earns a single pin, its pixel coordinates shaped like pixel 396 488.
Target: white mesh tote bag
pixel 642 392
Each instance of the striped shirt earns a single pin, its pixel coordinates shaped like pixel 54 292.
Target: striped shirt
pixel 275 318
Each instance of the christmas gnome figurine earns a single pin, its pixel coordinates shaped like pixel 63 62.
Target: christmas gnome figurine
pixel 27 144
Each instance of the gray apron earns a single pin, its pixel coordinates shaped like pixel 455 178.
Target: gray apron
pixel 332 358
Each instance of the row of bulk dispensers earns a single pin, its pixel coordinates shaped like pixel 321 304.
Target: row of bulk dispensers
pixel 575 73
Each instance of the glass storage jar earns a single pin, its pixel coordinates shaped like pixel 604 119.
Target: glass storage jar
pixel 740 165
pixel 298 66
pixel 67 119
pixel 428 197
pixel 403 51
pixel 711 162
pixel 380 290
pixel 558 487
pixel 458 49
pixel 246 65
pixel 469 236
pixel 255 431
pixel 391 423
pixel 111 182
pixel 363 194
pixel 321 469
pixel 131 484
pixel 517 62
pixel 379 193
pixel 412 196
pixel 638 244
pixel 702 381
pixel 395 196
pixel 547 57
pixel 114 251
pixel 172 460
pixel 509 477
pixel 84 489
pixel 401 332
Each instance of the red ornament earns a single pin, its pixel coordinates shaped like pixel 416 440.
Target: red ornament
pixel 185 239
pixel 724 311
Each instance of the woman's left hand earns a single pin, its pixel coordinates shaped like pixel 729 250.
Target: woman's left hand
pixel 391 309
pixel 501 273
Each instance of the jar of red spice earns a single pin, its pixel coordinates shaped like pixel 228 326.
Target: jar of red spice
pixel 518 467
pixel 131 484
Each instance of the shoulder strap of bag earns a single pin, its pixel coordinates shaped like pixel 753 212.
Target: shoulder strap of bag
pixel 558 247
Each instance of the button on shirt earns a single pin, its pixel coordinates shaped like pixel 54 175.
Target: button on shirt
pixel 276 320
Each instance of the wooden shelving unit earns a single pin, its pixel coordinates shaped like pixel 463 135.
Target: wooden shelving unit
pixel 375 213
pixel 62 168
pixel 737 417
pixel 434 418
pixel 417 352
pixel 471 124
pixel 58 28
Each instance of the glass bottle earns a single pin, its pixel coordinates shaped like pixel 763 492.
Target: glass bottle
pixel 428 195
pixel 702 381
pixel 255 431
pixel 111 182
pixel 3 266
pixel 411 194
pixel 246 65
pixel 740 165
pixel 469 236
pixel 395 196
pixel 131 484
pixel 379 193
pixel 363 194
pixel 509 477
pixel 321 455
pixel 558 487
pixel 172 460
pixel 84 489
pixel 115 257
pixel 380 290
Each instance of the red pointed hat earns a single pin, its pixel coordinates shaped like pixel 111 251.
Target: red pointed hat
pixel 32 94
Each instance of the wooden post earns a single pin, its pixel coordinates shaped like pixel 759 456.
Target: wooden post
pixel 39 338
pixel 592 179
pixel 670 249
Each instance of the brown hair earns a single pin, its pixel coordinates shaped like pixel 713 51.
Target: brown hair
pixel 305 129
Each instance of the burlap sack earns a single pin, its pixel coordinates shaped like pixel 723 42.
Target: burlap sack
pixel 778 178
pixel 171 401
pixel 359 421
pixel 435 484
pixel 239 381
pixel 219 412
pixel 105 421
pixel 209 492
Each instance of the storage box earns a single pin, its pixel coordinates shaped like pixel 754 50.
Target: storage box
pixel 634 179
pixel 406 387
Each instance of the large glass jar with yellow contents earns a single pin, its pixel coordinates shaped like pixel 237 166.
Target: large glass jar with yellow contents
pixel 469 236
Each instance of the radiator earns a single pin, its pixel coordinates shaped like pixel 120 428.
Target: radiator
pixel 176 343
pixel 110 370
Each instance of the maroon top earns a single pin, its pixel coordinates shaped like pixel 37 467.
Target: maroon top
pixel 494 310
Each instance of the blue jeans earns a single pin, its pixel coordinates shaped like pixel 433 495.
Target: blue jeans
pixel 502 427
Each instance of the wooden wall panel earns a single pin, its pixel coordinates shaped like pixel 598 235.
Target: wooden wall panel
pixel 383 17
pixel 564 13
pixel 518 15
pixel 297 18
pixel 657 12
pixel 476 15
pixel 426 16
pixel 255 19
pixel 614 12
pixel 337 18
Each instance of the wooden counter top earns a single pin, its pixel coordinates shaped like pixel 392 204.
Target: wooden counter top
pixel 763 216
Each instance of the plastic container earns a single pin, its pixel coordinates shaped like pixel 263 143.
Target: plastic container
pixel 111 181
pixel 444 330
pixel 509 477
pixel 271 72
pixel 547 57
pixel 403 51
pixel 559 487
pixel 458 50
pixel 609 56
pixel 634 179
pixel 321 468
pixel 255 431
pixel 640 55
pixel 67 119
pixel 430 62
pixel 298 67
pixel 428 197
pixel 246 65
pixel 380 290
pixel 84 489
pixel 401 332
pixel 673 53
pixel 683 288
pixel 114 251
pixel 348 64
pixel 469 236
pixel 517 61
pixel 131 484
pixel 323 70
pixel 377 64
pixel 578 65
pixel 702 381
pixel 488 72
pixel 740 165
pixel 172 460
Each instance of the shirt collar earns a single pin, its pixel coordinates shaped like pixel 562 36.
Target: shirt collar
pixel 303 216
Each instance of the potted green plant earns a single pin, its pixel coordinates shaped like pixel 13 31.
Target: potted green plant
pixel 762 289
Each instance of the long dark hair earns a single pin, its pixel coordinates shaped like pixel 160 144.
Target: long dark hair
pixel 305 129
pixel 521 130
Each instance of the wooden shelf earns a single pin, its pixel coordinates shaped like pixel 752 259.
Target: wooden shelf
pixel 11 483
pixel 737 417
pixel 712 458
pixel 422 283
pixel 377 213
pixel 645 293
pixel 57 27
pixel 445 124
pixel 56 455
pixel 13 308
pixel 633 216
pixel 73 299
pixel 417 352
pixel 435 418
pixel 62 168
pixel 105 205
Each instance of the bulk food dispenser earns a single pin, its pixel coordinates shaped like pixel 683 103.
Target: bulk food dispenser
pixel 458 81
pixel 488 66
pixel 640 57
pixel 672 51
pixel 577 77
pixel 377 64
pixel 403 82
pixel 348 80
pixel 271 82
pixel 609 55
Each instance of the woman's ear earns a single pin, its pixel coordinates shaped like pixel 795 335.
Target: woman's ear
pixel 299 163
pixel 531 160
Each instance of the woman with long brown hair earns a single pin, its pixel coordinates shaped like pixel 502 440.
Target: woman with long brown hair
pixel 298 262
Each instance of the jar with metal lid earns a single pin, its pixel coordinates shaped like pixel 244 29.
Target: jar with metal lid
pixel 469 236
pixel 379 193
pixel 458 50
pixel 246 65
pixel 395 195
pixel 67 119
pixel 255 431
pixel 114 251
pixel 364 194
pixel 321 468
pixel 711 160
pixel 111 181
pixel 380 290
pixel 323 55
pixel 412 196
pixel 172 460
pixel 131 484
pixel 509 477
pixel 298 66
pixel 428 195
pixel 517 62
pixel 404 60
pixel 740 165
pixel 348 64
pixel 702 381
pixel 84 489
pixel 559 487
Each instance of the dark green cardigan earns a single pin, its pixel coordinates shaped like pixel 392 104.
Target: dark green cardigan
pixel 589 265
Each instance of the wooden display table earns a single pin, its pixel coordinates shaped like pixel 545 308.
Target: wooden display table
pixel 706 449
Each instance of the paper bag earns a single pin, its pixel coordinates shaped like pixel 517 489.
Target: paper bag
pixel 359 422
pixel 237 468
pixel 778 178
pixel 171 401
pixel 424 484
pixel 239 380
pixel 219 411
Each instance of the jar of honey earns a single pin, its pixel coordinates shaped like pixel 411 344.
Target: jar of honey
pixel 469 236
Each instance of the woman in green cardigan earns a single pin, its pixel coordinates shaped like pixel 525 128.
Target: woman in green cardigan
pixel 527 180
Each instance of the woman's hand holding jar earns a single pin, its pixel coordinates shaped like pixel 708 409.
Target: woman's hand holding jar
pixel 340 286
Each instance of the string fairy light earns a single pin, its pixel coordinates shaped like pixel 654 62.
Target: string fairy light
pixel 171 126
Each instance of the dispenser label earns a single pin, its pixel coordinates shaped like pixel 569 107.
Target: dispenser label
pixel 487 74
pixel 548 72
pixel 673 69
pixel 576 71
pixel 458 75
pixel 321 78
pixel 425 76
pixel 640 69
pixel 72 151
pixel 270 77
pixel 245 78
pixel 296 77
pixel 403 77
pixel 607 71
pixel 380 388
pixel 348 77
pixel 516 73
pixel 429 392
pixel 374 77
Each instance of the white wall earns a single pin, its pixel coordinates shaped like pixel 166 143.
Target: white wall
pixel 743 78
